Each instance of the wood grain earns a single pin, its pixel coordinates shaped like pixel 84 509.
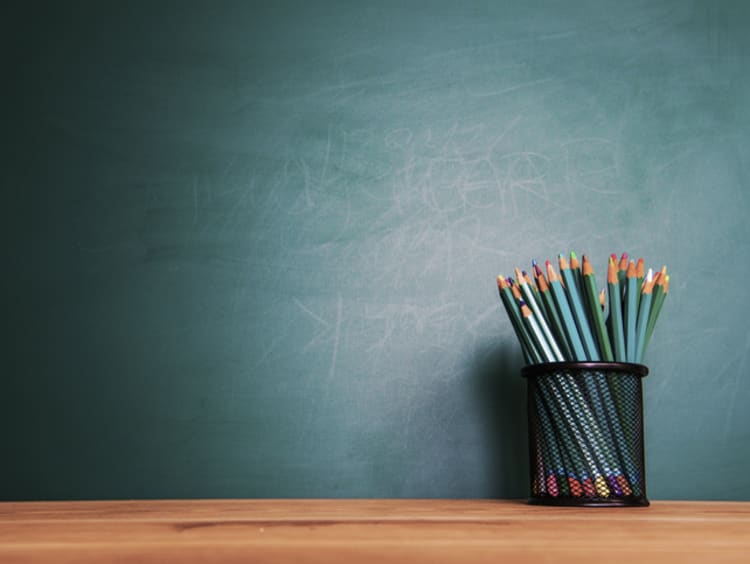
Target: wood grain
pixel 370 531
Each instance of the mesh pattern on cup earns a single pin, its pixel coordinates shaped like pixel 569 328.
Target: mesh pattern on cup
pixel 586 437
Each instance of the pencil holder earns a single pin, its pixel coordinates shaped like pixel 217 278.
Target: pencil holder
pixel 586 433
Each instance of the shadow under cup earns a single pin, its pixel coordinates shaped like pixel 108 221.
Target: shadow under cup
pixel 586 433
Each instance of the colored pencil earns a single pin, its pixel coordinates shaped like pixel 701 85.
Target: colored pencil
pixel 656 307
pixel 615 313
pixel 643 316
pixel 555 466
pixel 514 314
pixel 631 313
pixel 541 318
pixel 579 313
pixel 602 335
pixel 537 336
pixel 554 316
pixel 575 270
pixel 622 270
pixel 566 315
pixel 640 273
pixel 604 304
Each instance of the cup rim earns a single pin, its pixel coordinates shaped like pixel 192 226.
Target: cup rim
pixel 546 368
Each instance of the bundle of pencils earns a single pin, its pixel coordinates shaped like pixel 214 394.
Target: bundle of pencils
pixel 586 444
pixel 563 317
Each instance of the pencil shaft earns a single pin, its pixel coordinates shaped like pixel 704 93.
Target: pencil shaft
pixel 615 316
pixel 556 322
pixel 559 398
pixel 552 447
pixel 563 308
pixel 598 318
pixel 536 310
pixel 631 317
pixel 656 305
pixel 539 339
pixel 643 316
pixel 591 352
pixel 514 313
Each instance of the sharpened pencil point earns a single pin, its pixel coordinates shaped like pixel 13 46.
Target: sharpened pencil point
pixel 577 319
pixel 639 268
pixel 631 273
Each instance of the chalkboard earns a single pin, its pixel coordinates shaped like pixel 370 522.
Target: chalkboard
pixel 254 244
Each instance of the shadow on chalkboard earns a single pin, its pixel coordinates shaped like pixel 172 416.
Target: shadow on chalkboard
pixel 502 398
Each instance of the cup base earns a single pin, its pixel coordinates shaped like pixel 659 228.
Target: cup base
pixel 631 501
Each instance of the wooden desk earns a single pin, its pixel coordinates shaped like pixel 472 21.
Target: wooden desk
pixel 371 531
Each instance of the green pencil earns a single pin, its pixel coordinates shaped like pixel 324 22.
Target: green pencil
pixel 575 269
pixel 579 314
pixel 631 313
pixel 615 312
pixel 660 294
pixel 621 270
pixel 640 274
pixel 644 312
pixel 589 283
pixel 604 304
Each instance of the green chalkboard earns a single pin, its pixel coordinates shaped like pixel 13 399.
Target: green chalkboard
pixel 254 244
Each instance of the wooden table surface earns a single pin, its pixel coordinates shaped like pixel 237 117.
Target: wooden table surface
pixel 370 531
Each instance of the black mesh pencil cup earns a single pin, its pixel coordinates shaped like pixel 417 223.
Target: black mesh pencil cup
pixel 586 433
